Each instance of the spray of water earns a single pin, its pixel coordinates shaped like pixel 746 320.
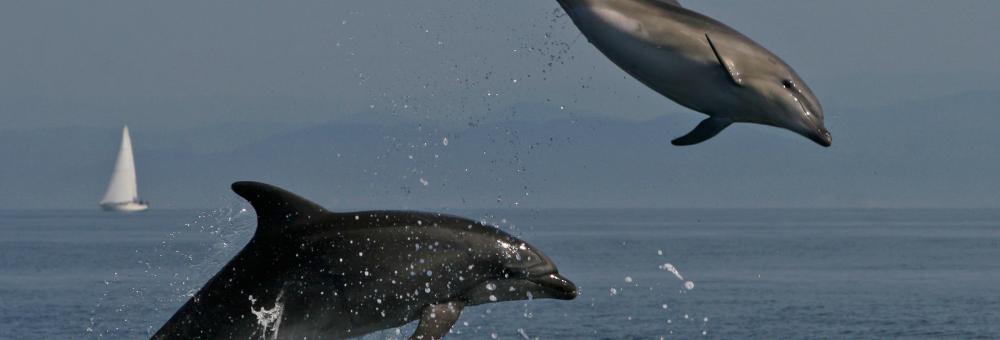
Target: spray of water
pixel 167 275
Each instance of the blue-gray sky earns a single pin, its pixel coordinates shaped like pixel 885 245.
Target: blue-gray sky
pixel 204 81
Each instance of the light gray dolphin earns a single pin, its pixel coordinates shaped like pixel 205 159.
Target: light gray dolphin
pixel 310 273
pixel 701 64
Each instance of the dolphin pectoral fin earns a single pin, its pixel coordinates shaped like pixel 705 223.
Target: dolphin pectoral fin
pixel 436 320
pixel 728 66
pixel 705 130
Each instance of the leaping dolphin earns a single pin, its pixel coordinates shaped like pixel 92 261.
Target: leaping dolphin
pixel 310 273
pixel 701 64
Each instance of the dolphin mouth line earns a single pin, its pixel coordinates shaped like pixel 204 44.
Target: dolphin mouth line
pixel 562 288
pixel 821 136
pixel 801 105
pixel 824 138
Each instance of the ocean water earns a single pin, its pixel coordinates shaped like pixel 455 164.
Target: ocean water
pixel 833 274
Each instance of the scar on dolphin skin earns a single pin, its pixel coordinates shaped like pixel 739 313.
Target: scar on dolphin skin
pixel 321 274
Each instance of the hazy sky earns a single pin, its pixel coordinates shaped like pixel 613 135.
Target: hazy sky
pixel 188 63
pixel 171 68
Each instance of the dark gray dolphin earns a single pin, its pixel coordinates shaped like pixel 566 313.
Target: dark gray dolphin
pixel 702 64
pixel 310 273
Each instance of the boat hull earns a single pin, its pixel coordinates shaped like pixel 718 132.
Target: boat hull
pixel 124 207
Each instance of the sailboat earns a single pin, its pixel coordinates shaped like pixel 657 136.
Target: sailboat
pixel 123 191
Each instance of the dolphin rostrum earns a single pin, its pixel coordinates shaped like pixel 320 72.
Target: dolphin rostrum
pixel 310 273
pixel 701 64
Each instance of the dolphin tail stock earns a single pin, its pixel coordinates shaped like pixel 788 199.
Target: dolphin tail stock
pixel 705 130
pixel 275 206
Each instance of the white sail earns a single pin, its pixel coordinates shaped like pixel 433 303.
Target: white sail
pixel 123 191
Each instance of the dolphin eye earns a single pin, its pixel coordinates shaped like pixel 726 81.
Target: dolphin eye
pixel 788 84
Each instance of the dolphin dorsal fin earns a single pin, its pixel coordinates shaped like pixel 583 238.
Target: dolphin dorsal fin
pixel 727 65
pixel 275 206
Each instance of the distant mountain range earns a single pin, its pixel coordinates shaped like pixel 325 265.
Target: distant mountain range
pixel 938 152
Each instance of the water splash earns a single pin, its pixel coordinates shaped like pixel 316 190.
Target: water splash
pixel 178 271
pixel 670 268
pixel 689 285
pixel 269 320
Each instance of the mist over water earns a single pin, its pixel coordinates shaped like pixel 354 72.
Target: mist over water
pixel 756 273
